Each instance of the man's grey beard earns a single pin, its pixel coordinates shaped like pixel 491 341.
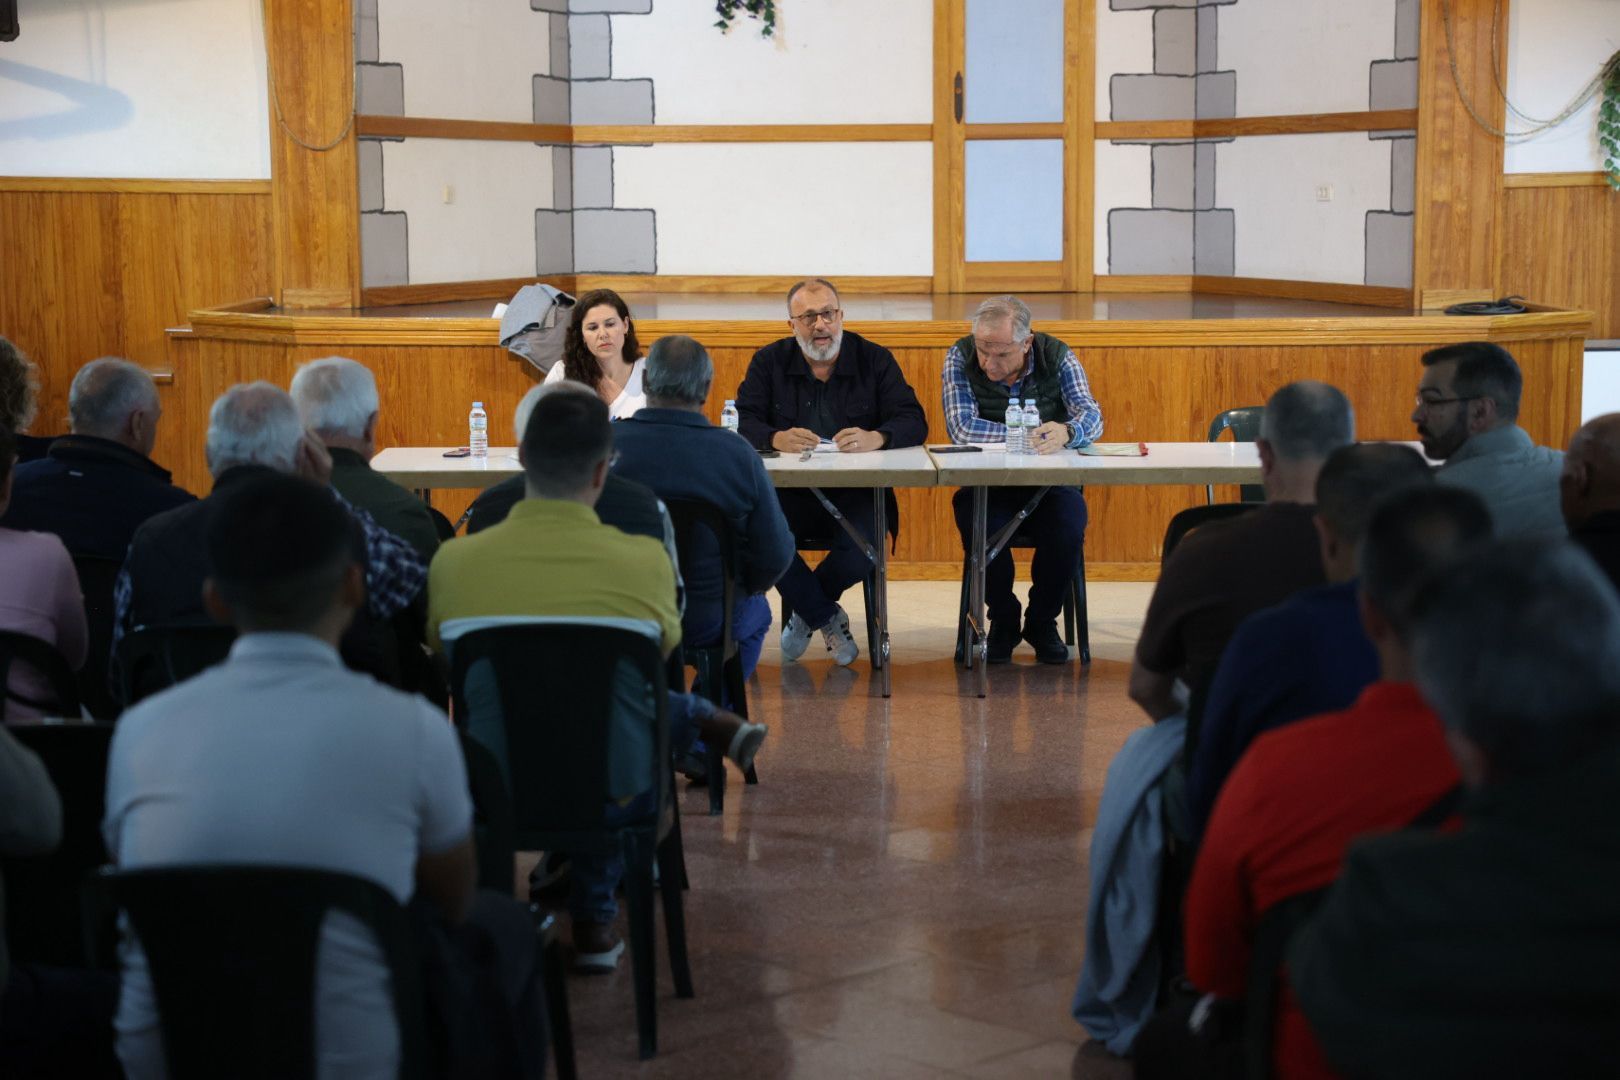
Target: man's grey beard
pixel 825 353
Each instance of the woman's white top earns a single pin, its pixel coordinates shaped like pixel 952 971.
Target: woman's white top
pixel 631 400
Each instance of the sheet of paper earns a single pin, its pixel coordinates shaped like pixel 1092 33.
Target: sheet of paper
pixel 500 309
pixel 1116 449
pixel 826 446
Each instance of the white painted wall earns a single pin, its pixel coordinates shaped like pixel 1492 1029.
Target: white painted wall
pixel 1124 47
pixel 118 89
pixel 1282 231
pixel 1303 56
pixel 830 62
pixel 787 208
pixel 1600 383
pixel 466 61
pixel 487 230
pixel 1554 48
pixel 1124 178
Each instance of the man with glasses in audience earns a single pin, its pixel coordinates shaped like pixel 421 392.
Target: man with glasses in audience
pixel 1001 359
pixel 1466 414
pixel 828 388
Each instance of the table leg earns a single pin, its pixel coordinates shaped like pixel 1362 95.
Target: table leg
pixel 880 591
pixel 977 633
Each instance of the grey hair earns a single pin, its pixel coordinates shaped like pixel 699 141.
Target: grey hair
pixel 678 369
pixel 1518 648
pixel 1308 420
pixel 104 394
pixel 253 424
pixel 999 309
pixel 537 393
pixel 335 395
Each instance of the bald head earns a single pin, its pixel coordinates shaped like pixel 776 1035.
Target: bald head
pixel 1590 483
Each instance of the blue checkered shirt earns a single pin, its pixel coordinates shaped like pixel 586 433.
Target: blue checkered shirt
pixel 965 425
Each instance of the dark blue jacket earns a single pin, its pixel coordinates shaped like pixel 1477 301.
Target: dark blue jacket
pixel 93 493
pixel 680 455
pixel 866 390
pixel 1306 656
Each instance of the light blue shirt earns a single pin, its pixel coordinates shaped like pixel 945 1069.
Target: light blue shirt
pixel 1517 479
pixel 280 756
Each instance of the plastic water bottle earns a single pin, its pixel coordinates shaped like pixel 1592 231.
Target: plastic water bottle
pixel 1032 424
pixel 728 415
pixel 1015 428
pixel 478 431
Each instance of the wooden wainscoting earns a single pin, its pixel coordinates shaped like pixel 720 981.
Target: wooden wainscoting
pixel 1561 246
pixel 89 271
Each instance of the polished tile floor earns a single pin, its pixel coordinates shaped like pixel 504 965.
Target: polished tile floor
pixel 903 893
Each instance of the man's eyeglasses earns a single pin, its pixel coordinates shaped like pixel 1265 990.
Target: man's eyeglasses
pixel 810 318
pixel 1431 402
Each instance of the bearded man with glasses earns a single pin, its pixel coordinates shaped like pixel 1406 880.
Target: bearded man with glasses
pixel 1466 414
pixel 831 389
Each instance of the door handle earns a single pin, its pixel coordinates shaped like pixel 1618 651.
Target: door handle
pixel 957 96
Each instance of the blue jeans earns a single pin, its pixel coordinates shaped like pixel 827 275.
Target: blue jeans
pixel 813 594
pixel 750 621
pixel 595 877
pixel 1058 527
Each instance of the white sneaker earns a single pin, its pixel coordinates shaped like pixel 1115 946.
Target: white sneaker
pixel 795 637
pixel 839 642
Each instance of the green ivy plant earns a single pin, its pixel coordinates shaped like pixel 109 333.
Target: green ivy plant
pixel 1608 121
pixel 763 10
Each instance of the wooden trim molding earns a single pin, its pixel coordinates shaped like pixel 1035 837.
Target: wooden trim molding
pixel 501 131
pixel 1555 179
pixel 1327 291
pixel 1142 283
pixel 978 132
pixel 487 289
pixel 133 185
pixel 1234 127
pixel 503 288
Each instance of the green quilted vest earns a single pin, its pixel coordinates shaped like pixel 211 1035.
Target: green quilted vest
pixel 992 396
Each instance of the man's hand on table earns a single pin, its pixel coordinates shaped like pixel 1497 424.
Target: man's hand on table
pixel 795 440
pixel 1050 437
pixel 854 440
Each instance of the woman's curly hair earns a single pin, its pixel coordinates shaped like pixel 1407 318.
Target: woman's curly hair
pixel 19 387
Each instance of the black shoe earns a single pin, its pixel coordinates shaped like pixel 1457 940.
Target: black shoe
pixel 1048 643
pixel 1003 639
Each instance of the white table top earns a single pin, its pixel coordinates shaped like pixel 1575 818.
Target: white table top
pixel 911 466
pixel 1165 463
pixel 417 467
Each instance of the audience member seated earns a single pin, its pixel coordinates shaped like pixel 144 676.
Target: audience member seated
pixel 281 757
pixel 1226 571
pixel 39 596
pixel 1309 654
pixel 600 351
pixel 1304 791
pixel 30 824
pixel 673 449
pixel 823 384
pixel 337 400
pixel 97 484
pixel 253 428
pixel 552 556
pixel 1003 358
pixel 1590 491
pixel 19 389
pixel 1491 951
pixel 1467 408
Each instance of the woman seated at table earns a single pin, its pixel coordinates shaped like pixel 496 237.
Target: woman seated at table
pixel 602 352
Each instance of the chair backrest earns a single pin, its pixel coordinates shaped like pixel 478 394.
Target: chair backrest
pixel 1195 517
pixel 492 815
pixel 690 517
pixel 41 656
pixel 579 720
pixel 231 952
pixel 1243 422
pixel 153 658
pixel 442 525
pixel 97 576
pixel 43 924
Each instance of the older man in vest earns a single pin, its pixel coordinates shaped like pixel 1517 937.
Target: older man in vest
pixel 1003 358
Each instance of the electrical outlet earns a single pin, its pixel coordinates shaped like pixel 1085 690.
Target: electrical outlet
pixel 1324 193
pixel 449 194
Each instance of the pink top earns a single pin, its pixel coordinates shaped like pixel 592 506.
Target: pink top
pixel 39 595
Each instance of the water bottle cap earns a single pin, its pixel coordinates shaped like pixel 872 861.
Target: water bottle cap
pixel 731 401
pixel 478 404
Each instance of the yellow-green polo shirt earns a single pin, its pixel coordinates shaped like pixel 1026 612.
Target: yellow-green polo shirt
pixel 553 557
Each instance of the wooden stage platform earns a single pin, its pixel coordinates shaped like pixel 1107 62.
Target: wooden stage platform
pixel 1160 364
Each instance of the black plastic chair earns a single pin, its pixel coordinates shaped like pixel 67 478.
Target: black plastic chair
pixel 562 747
pixel 1195 517
pixel 43 917
pixel 493 837
pixel 231 952
pixel 153 658
pixel 719 666
pixel 1076 621
pixel 97 575
pixel 31 652
pixel 1244 424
